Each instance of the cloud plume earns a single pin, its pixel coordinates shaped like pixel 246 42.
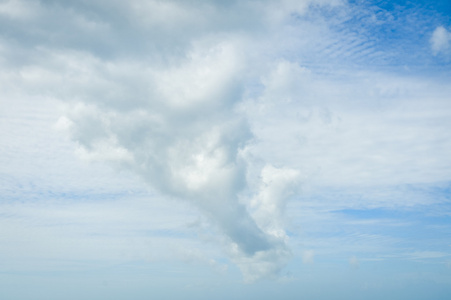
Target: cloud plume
pixel 173 119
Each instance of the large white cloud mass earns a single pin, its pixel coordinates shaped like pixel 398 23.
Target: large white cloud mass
pixel 155 88
pixel 214 103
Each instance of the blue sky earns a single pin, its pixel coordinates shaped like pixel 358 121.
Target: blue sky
pixel 210 149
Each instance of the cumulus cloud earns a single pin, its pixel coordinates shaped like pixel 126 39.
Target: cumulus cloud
pixel 441 41
pixel 172 117
pixel 185 140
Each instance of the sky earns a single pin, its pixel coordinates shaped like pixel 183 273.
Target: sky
pixel 225 149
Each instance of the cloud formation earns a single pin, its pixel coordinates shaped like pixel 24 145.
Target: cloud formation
pixel 172 116
pixel 232 106
pixel 441 41
pixel 184 139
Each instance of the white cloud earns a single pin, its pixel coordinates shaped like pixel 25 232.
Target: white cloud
pixel 219 104
pixel 441 41
pixel 361 129
pixel 175 125
pixel 184 138
pixel 277 186
pixel 263 264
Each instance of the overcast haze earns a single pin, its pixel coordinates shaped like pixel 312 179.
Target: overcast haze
pixel 225 149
